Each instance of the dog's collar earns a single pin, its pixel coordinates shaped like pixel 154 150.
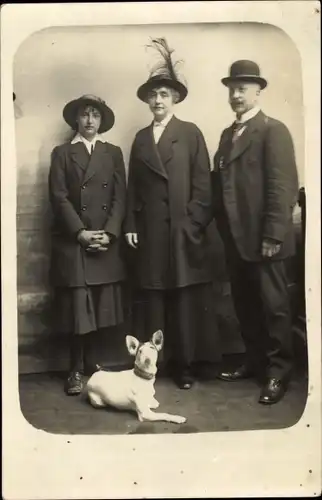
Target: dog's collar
pixel 142 374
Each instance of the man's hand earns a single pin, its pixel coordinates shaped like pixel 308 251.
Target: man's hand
pixel 270 247
pixel 132 239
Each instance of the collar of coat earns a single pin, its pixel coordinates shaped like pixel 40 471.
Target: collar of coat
pixel 230 152
pixel 157 156
pixel 88 165
pixel 79 138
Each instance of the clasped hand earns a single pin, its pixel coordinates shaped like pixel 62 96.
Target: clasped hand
pixel 94 241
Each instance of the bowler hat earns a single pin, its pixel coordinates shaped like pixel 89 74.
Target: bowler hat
pixel 71 109
pixel 164 81
pixel 245 70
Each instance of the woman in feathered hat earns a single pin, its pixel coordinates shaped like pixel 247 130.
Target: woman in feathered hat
pixel 87 192
pixel 168 209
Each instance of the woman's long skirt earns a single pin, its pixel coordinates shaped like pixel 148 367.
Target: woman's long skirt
pixel 81 310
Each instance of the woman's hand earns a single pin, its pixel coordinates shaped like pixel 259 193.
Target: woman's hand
pixel 85 237
pixel 132 239
pixel 102 238
pixel 93 241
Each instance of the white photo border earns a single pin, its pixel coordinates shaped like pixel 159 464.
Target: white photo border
pixel 285 462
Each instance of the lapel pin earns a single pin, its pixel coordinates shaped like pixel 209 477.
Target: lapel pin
pixel 221 162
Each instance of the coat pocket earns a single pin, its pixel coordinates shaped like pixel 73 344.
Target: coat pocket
pixel 195 244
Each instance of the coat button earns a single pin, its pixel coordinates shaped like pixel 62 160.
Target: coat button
pixel 104 207
pixel 105 185
pixel 83 186
pixel 84 208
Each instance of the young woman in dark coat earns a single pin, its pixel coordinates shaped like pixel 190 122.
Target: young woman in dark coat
pixel 87 189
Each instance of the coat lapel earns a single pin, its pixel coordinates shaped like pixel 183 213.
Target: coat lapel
pixel 168 138
pixel 244 141
pixel 148 152
pixel 222 156
pixel 95 161
pixel 79 155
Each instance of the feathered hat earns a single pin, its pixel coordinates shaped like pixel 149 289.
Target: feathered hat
pixel 164 73
pixel 71 109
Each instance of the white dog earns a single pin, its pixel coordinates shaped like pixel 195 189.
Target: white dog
pixel 132 389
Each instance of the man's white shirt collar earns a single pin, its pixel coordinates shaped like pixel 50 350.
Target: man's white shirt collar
pixel 79 138
pixel 248 115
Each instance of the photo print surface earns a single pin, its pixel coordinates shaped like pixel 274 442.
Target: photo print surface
pixel 203 345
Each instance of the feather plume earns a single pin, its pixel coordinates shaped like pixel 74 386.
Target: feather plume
pixel 166 66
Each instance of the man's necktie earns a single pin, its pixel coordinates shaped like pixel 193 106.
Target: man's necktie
pixel 237 131
pixel 92 148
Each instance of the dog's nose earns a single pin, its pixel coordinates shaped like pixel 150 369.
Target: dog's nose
pixel 147 362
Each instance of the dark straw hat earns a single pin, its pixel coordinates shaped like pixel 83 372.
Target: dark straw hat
pixel 71 109
pixel 164 73
pixel 162 81
pixel 245 70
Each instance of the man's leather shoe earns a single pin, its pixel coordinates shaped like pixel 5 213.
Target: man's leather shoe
pixel 239 374
pixel 272 392
pixel 74 384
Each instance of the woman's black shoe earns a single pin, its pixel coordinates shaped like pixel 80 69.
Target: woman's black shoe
pixel 74 384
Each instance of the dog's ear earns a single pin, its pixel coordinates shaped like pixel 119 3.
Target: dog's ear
pixel 157 340
pixel 132 344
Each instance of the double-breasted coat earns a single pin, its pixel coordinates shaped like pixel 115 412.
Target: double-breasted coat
pixel 169 206
pixel 86 191
pixel 255 187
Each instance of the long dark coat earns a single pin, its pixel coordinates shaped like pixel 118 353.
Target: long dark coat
pixel 169 204
pixel 86 192
pixel 255 187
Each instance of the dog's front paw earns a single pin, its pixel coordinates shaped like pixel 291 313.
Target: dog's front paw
pixel 179 420
pixel 154 404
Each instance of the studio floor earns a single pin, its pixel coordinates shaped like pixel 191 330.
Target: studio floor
pixel 211 405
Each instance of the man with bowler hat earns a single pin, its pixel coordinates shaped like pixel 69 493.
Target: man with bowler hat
pixel 169 206
pixel 255 188
pixel 87 189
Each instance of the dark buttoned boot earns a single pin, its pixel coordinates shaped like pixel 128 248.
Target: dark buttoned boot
pixel 74 383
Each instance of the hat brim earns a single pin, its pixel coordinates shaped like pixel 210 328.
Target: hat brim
pixel 71 109
pixel 246 78
pixel 144 89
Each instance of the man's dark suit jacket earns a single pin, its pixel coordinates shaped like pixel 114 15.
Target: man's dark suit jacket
pixel 86 192
pixel 255 187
